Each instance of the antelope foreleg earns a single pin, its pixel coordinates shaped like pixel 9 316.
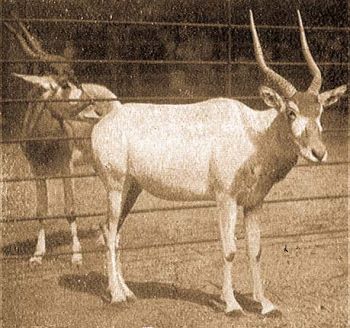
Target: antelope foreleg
pixel 41 211
pixel 254 251
pixel 69 211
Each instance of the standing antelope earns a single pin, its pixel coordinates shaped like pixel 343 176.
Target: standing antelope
pixel 218 150
pixel 45 119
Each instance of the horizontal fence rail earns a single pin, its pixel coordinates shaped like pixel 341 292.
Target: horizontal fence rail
pixel 91 175
pixel 42 139
pixel 178 24
pixel 334 232
pixel 21 100
pixel 132 98
pixel 167 62
pixel 15 219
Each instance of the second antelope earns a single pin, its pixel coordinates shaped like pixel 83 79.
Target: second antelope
pixel 45 119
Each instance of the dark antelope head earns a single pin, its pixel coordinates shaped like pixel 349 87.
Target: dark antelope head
pixel 302 109
pixel 62 70
pixel 61 84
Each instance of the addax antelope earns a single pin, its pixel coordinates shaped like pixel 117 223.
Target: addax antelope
pixel 218 150
pixel 44 119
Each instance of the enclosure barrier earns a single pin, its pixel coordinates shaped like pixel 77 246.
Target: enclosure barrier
pixel 10 219
pixel 229 62
pixel 334 232
pixel 179 24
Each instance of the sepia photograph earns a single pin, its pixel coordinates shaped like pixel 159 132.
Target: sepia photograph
pixel 174 163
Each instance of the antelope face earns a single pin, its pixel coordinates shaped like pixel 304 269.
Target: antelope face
pixel 55 89
pixel 304 112
pixel 68 91
pixel 303 115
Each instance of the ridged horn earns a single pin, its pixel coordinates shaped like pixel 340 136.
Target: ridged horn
pixel 36 44
pixel 285 86
pixel 33 48
pixel 316 83
pixel 22 42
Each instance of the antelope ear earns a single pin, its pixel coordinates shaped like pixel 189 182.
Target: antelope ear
pixel 330 97
pixel 272 98
pixel 46 82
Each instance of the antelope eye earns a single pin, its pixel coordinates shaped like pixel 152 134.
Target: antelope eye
pixel 291 114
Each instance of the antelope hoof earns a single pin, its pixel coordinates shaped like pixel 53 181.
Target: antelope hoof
pixel 117 294
pixel 233 307
pixel 101 240
pixel 267 307
pixel 117 297
pixel 77 259
pixel 229 257
pixel 234 310
pixel 36 260
pixel 130 296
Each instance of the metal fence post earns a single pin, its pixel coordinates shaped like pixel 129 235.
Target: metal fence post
pixel 229 70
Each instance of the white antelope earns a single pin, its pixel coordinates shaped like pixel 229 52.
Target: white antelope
pixel 44 119
pixel 219 150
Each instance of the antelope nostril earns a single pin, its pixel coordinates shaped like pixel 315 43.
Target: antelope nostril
pixel 319 153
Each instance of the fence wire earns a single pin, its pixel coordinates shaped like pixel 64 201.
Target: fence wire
pixel 331 234
pixel 194 98
pixel 92 175
pixel 200 205
pixel 178 24
pixel 168 62
pixel 42 139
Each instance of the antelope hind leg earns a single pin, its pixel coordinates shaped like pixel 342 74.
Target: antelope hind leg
pixel 228 216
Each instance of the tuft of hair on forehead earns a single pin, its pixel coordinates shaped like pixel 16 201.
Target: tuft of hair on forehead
pixel 307 103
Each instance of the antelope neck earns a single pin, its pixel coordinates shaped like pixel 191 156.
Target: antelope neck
pixel 277 141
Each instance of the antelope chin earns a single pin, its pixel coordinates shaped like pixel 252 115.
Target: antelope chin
pixel 307 154
pixel 75 94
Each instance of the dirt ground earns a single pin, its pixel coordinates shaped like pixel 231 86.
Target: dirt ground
pixel 172 259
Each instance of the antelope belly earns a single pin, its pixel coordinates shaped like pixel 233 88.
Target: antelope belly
pixel 171 168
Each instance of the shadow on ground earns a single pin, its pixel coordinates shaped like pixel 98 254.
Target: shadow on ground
pixel 53 240
pixel 96 284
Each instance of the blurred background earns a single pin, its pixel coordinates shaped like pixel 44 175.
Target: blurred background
pixel 196 55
